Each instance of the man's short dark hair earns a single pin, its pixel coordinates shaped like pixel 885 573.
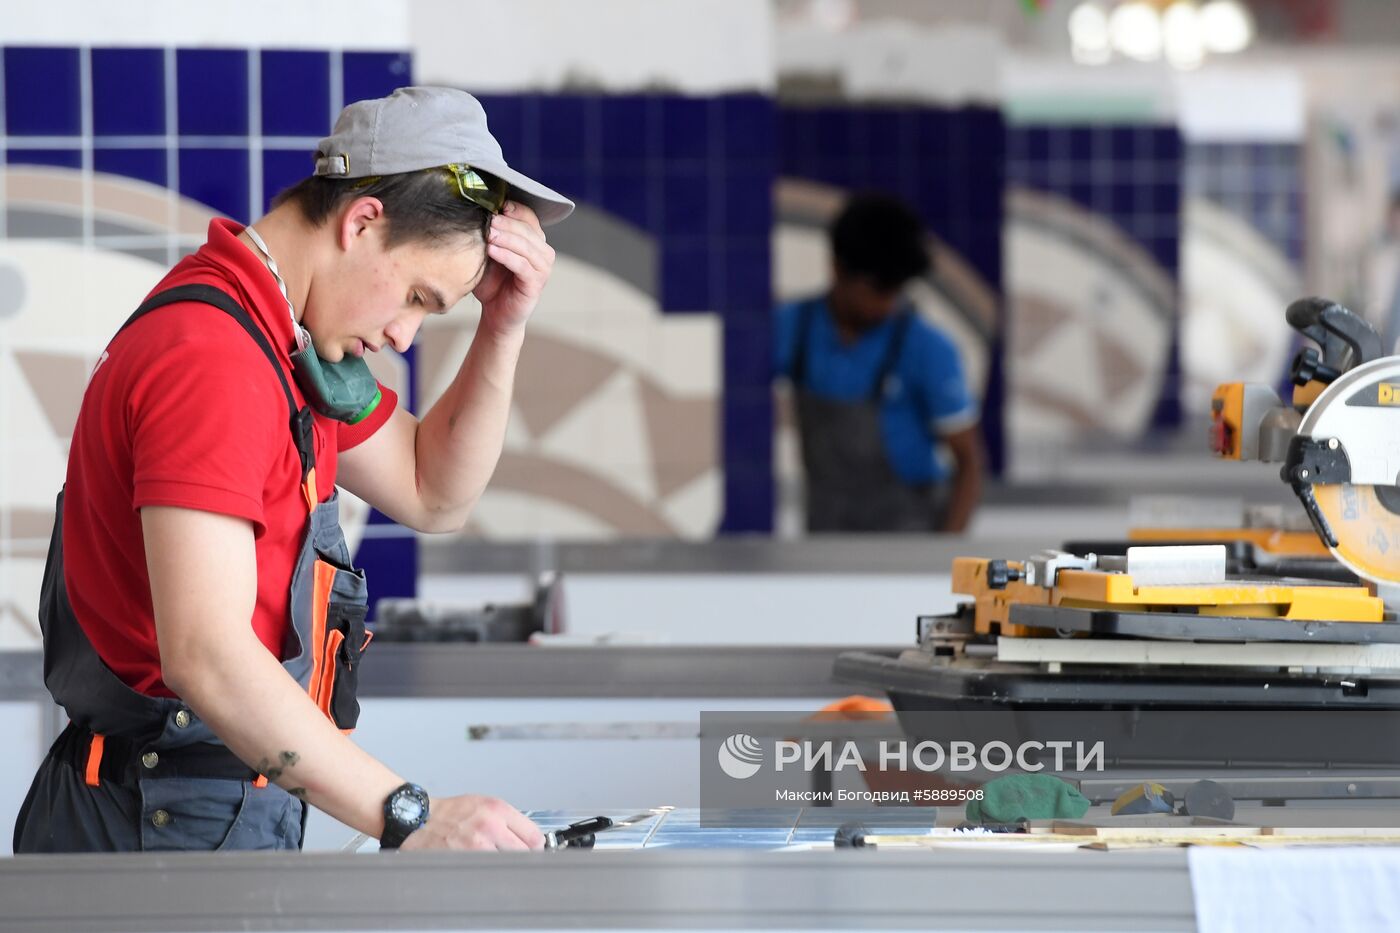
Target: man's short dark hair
pixel 420 207
pixel 878 237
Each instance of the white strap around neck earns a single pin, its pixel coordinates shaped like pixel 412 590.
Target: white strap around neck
pixel 303 337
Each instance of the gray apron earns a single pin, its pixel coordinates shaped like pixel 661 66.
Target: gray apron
pixel 134 772
pixel 850 484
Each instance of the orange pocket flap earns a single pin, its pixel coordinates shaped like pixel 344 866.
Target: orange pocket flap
pixel 326 688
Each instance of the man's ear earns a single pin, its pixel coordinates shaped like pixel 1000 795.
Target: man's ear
pixel 359 218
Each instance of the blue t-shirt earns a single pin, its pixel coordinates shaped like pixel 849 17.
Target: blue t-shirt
pixel 928 399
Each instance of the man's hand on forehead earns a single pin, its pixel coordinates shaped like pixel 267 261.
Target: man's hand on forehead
pixel 522 262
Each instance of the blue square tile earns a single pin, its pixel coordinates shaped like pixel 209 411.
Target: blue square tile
pixel 282 168
pixel 296 93
pixel 748 279
pixel 685 127
pixel 626 194
pixel 43 96
pixel 505 117
pixel 561 126
pixel 750 130
pixel 688 208
pixel 392 561
pixel 625 127
pixel 748 204
pixel 934 135
pixel 128 92
pixel 832 135
pixel 67 158
pixel 748 493
pixel 748 352
pixel 212 90
pixel 685 279
pixel 883 127
pixel 366 75
pixel 217 178
pixel 795 140
pixel 143 164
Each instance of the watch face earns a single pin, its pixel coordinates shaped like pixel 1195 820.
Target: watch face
pixel 407 808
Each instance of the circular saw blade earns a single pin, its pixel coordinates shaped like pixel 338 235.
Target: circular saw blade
pixel 1366 523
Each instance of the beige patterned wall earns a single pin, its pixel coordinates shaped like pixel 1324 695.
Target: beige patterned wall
pixel 614 429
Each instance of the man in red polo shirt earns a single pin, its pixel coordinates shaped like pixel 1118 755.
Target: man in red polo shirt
pixel 203 623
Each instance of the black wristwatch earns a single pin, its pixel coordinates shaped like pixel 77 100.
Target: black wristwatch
pixel 405 810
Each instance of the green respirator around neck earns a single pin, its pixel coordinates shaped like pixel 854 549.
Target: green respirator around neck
pixel 345 391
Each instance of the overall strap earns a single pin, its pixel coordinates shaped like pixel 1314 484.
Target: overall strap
pixel 801 349
pixel 892 354
pixel 207 294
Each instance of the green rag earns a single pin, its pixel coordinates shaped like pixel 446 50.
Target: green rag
pixel 1026 796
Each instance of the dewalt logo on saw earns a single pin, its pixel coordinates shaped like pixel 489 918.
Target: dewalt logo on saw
pixel 1381 395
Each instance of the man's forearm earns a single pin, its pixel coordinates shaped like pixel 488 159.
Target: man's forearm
pixel 966 491
pixel 460 439
pixel 269 722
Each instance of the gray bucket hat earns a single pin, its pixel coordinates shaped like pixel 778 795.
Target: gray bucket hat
pixel 423 127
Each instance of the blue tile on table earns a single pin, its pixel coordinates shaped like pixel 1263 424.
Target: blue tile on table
pixel 625 129
pixel 143 164
pixel 296 93
pixel 365 75
pixel 42 96
pixel 128 92
pixel 217 178
pixel 685 127
pixel 282 168
pixel 64 158
pixel 212 92
pixel 685 279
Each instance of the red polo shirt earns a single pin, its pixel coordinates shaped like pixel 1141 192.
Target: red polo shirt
pixel 184 410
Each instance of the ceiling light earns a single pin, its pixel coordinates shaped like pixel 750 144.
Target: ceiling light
pixel 1226 26
pixel 1181 35
pixel 1135 30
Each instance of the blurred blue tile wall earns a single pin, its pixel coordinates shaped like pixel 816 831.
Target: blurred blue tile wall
pixel 948 164
pixel 696 173
pixel 1132 175
pixel 1259 183
pixel 228 127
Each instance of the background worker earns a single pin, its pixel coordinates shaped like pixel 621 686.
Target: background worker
pixel 878 390
pixel 203 625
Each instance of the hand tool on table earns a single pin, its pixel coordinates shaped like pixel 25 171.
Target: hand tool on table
pixel 1203 798
pixel 855 835
pixel 582 834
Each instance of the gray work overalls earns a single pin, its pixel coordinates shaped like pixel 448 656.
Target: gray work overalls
pixel 134 772
pixel 850 484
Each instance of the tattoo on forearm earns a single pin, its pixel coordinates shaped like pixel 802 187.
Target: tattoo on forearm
pixel 274 771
